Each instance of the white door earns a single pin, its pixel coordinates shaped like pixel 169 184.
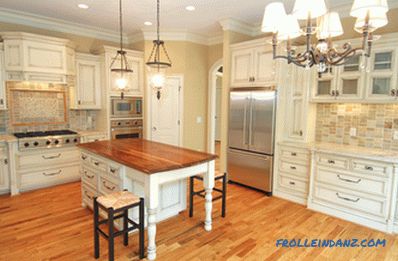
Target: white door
pixel 165 112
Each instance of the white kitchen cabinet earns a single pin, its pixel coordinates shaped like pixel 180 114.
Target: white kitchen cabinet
pixel 252 64
pixel 30 57
pixel 87 92
pixel 3 103
pixel 350 80
pixel 4 173
pixel 382 80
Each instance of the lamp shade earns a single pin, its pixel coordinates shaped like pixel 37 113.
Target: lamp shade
pixel 272 17
pixel 361 8
pixel 330 26
pixel 375 22
pixel 305 8
pixel 289 28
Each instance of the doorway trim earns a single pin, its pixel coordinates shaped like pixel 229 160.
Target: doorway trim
pixel 148 107
pixel 211 116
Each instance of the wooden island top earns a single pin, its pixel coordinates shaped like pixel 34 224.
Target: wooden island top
pixel 147 156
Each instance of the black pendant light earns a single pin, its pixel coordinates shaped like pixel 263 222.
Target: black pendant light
pixel 155 59
pixel 124 70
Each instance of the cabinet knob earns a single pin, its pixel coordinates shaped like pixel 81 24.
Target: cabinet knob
pixel 1 101
pixel 333 93
pixel 301 133
pixel 393 92
pixel 79 102
pixel 337 93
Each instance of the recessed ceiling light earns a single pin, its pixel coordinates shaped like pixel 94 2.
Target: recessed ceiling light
pixel 148 23
pixel 190 8
pixel 83 6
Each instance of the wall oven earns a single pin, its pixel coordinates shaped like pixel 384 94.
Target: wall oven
pixel 124 129
pixel 126 108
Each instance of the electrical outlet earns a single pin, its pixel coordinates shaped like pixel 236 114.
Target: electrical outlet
pixel 395 135
pixel 198 119
pixel 353 132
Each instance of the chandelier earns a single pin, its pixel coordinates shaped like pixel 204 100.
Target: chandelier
pixel 370 15
pixel 155 61
pixel 124 70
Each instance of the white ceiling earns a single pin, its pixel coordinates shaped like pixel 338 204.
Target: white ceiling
pixel 104 13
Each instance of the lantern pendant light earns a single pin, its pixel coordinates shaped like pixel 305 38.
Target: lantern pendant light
pixel 155 61
pixel 124 70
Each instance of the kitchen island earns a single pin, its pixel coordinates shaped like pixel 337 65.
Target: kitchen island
pixel 152 170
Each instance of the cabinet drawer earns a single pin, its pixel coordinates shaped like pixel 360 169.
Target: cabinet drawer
pixel 359 183
pixel 294 168
pixel 333 161
pixel 98 164
pixel 292 184
pixel 114 171
pixel 89 177
pixel 106 186
pixel 88 195
pixel 49 177
pixel 28 161
pixel 294 154
pixel 349 201
pixel 372 168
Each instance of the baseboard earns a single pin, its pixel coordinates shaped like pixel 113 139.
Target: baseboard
pixel 290 197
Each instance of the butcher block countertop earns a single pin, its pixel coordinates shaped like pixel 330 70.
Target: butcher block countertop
pixel 147 156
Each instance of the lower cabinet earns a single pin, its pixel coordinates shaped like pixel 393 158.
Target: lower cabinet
pixel 292 179
pixel 4 172
pixel 355 189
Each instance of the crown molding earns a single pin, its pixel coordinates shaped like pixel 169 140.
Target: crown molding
pixel 183 36
pixel 52 24
pixel 231 24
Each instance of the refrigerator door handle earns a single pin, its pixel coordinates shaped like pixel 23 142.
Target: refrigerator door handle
pixel 252 104
pixel 246 129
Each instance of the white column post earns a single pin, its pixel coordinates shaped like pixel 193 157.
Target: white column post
pixel 208 182
pixel 152 202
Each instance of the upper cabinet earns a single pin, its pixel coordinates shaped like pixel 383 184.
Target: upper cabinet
pixel 252 64
pixel 3 104
pixel 361 79
pixel 30 57
pixel 135 82
pixel 86 94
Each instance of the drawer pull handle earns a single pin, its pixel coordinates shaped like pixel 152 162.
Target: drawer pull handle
pixel 53 173
pixel 84 157
pixel 349 180
pixel 331 162
pixel 347 199
pixel 96 163
pixel 51 157
pixel 294 154
pixel 88 176
pixel 292 183
pixel 112 170
pixel 369 168
pixel 293 167
pixel 110 188
pixel 90 197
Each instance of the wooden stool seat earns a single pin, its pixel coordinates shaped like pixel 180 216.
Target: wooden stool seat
pixel 118 200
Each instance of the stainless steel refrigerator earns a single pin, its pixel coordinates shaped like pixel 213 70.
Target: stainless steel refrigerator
pixel 251 137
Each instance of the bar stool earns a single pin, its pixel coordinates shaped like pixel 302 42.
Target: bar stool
pixel 201 193
pixel 112 204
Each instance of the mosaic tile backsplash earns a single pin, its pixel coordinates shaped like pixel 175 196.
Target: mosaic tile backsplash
pixel 375 124
pixel 76 119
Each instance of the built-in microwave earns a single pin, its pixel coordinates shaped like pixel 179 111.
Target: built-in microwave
pixel 126 107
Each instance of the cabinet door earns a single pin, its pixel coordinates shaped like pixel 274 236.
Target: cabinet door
pixel 263 67
pixel 324 86
pixel 3 104
pixel 350 79
pixel 4 175
pixel 382 78
pixel 88 87
pixel 241 68
pixel 134 80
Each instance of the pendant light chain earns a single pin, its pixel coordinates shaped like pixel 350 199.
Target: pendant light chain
pixel 158 18
pixel 121 24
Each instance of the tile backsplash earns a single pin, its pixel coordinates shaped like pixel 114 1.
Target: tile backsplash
pixel 76 119
pixel 375 124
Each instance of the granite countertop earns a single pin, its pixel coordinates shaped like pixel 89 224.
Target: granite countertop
pixel 348 150
pixel 90 132
pixel 147 156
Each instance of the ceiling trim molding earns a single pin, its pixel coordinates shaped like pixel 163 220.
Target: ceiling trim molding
pixel 52 24
pixel 183 36
pixel 231 24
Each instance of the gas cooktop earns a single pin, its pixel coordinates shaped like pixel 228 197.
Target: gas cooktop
pixel 46 139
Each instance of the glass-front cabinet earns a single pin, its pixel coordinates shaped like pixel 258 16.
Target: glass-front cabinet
pixel 324 86
pixel 382 75
pixel 350 79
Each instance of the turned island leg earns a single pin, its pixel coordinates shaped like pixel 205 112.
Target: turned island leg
pixel 152 202
pixel 208 182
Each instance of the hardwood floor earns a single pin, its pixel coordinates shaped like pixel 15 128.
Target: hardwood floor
pixel 50 224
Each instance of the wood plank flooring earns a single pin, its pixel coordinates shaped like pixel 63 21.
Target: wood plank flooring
pixel 50 224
